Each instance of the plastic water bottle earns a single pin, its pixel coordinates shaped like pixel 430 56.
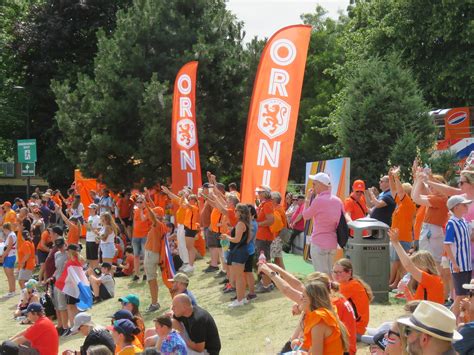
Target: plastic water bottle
pixel 262 259
pixel 406 278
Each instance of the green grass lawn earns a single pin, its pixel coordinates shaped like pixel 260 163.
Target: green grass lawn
pixel 261 327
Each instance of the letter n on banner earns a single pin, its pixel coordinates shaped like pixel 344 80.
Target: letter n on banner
pixel 185 162
pixel 273 113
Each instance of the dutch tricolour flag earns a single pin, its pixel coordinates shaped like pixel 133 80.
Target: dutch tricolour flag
pixel 73 282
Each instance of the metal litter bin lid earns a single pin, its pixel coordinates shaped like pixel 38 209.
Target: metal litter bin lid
pixel 367 223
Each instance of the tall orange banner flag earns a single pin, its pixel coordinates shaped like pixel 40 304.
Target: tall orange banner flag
pixel 273 112
pixel 185 162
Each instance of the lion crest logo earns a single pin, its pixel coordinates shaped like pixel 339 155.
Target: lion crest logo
pixel 273 117
pixel 186 133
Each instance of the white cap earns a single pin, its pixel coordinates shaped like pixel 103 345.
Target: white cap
pixel 455 200
pixel 323 178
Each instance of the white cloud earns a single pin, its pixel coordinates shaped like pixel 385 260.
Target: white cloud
pixel 262 18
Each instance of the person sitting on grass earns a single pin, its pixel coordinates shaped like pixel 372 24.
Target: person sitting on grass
pixel 320 327
pixel 180 285
pixel 196 325
pixel 125 314
pixel 95 335
pixel 293 289
pixel 28 295
pixel 33 338
pixel 123 332
pixel 169 341
pixel 103 286
pixel 131 303
pixel 425 282
pixel 356 291
pixel 126 269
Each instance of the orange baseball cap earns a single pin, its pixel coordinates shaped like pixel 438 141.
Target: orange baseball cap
pixel 358 185
pixel 159 211
pixel 7 203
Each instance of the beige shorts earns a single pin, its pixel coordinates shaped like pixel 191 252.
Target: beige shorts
pixel 151 262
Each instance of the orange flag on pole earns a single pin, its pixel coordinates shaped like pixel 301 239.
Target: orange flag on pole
pixel 185 162
pixel 273 113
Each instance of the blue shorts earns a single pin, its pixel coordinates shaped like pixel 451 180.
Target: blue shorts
pixel 108 250
pixel 9 262
pixel 238 256
pixel 393 254
pixel 138 245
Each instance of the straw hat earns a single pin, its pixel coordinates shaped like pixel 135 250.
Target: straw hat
pixel 433 319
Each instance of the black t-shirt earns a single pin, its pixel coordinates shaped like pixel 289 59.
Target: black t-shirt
pixel 98 336
pixel 384 214
pixel 202 328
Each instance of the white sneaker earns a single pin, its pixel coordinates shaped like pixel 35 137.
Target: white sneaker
pixel 236 303
pixel 188 269
pixel 183 267
pixel 9 295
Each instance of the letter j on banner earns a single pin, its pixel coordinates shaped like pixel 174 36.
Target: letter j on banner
pixel 273 113
pixel 185 162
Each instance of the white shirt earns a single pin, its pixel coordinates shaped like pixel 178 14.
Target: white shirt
pixel 94 222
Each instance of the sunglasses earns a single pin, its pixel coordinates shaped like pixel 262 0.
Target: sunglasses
pixel 338 272
pixel 391 332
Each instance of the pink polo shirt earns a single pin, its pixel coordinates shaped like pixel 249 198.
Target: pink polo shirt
pixel 325 210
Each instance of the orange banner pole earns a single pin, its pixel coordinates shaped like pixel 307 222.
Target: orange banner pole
pixel 273 112
pixel 185 162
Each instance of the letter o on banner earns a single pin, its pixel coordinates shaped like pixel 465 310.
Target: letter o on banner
pixel 184 84
pixel 289 46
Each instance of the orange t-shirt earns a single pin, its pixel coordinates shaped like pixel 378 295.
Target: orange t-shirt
pixel 73 234
pixel 155 235
pixel 402 218
pixel 265 208
pixel 352 207
pixel 191 217
pixel 355 211
pixel 57 200
pixel 140 227
pixel 279 209
pixel 431 288
pixel 355 293
pixel 180 213
pixel 420 216
pixel 346 314
pixel 216 219
pixel 45 239
pixel 333 343
pixel 125 206
pixel 232 217
pixel 26 248
pixel 437 213
pixel 10 217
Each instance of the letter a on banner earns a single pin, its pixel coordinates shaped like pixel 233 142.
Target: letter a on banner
pixel 185 162
pixel 273 113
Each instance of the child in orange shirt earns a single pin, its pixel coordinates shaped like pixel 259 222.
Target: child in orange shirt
pixel 26 259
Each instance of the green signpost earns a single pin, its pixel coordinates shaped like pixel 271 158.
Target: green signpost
pixel 26 150
pixel 28 169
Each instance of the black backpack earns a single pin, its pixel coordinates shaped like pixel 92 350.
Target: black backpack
pixel 342 231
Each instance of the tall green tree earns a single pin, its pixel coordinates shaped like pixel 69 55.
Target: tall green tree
pixel 116 122
pixel 315 136
pixel 54 40
pixel 434 39
pixel 382 119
